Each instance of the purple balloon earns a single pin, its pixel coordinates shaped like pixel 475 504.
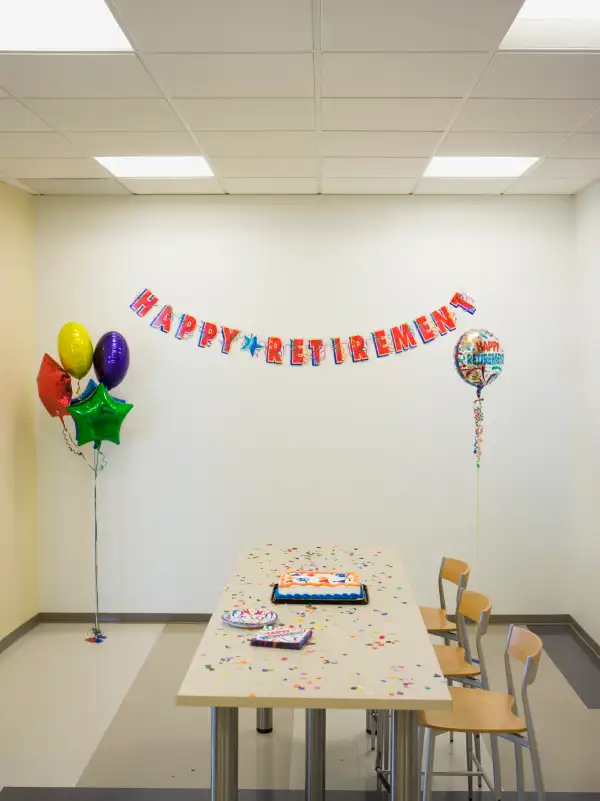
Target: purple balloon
pixel 111 359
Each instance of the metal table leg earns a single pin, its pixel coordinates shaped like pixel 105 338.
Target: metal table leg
pixel 315 755
pixel 224 754
pixel 264 721
pixel 405 779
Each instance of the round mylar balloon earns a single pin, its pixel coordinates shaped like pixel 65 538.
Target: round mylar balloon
pixel 111 359
pixel 75 349
pixel 478 358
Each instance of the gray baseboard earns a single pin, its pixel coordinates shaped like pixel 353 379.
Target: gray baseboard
pixel 19 632
pixel 202 617
pixel 123 617
pixel 534 620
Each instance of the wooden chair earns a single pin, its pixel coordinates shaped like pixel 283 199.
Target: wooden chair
pixel 483 711
pixel 436 620
pixel 457 663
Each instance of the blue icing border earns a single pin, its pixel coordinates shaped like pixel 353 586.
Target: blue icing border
pixel 298 596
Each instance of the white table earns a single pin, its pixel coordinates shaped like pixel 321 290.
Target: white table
pixel 377 656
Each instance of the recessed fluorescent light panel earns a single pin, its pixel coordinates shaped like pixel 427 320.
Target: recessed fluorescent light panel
pixel 156 166
pixel 555 25
pixel 59 26
pixel 478 166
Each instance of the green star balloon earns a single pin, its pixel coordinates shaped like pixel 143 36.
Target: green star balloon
pixel 99 417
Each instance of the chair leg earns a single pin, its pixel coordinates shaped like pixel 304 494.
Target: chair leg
pixel 469 741
pixel 520 774
pixel 429 756
pixel 478 755
pixel 537 768
pixel 496 767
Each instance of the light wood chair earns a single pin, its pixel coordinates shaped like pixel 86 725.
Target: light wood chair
pixel 457 663
pixel 486 712
pixel 436 619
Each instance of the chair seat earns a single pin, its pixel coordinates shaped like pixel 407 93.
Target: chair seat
pixel 453 663
pixel 480 711
pixel 436 619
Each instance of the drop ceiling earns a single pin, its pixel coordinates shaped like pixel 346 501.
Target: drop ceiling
pixel 303 97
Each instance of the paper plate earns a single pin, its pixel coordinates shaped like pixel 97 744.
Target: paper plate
pixel 250 618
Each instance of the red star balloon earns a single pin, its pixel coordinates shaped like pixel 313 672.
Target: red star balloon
pixel 54 387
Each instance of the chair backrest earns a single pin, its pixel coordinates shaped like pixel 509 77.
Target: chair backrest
pixel 526 647
pixel 475 607
pixel 456 572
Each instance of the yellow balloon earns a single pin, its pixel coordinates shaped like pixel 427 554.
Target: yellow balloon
pixel 75 349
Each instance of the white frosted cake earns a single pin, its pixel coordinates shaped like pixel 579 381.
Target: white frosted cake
pixel 322 585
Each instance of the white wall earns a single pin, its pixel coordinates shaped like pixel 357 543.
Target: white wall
pixel 225 451
pixel 584 378
pixel 18 535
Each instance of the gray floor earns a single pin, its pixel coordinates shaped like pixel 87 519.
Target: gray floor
pixel 104 717
pixel 578 664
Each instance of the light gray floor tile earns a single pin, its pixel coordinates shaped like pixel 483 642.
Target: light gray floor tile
pixel 58 695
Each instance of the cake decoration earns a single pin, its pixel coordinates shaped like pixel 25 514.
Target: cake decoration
pixel 321 585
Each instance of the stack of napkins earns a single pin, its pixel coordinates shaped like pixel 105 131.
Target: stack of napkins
pixel 282 637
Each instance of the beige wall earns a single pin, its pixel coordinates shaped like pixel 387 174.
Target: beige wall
pixel 18 549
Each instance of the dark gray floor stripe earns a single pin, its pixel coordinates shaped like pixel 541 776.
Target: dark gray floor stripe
pixel 135 794
pixel 578 664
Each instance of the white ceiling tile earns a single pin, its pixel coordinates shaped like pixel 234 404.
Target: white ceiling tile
pixel 247 26
pixel 519 115
pixel 264 168
pixel 376 143
pixel 74 186
pixel 556 75
pixel 247 113
pixel 15 117
pixel 75 75
pixel 102 114
pixel 461 186
pixel 486 143
pixel 234 75
pixel 566 168
pixel 548 186
pixel 581 145
pixel 188 186
pixel 368 186
pixel 270 186
pixel 393 114
pixel 422 25
pixel 52 168
pixel 258 143
pixel 373 168
pixel 401 74
pixel 593 126
pixel 132 143
pixel 35 145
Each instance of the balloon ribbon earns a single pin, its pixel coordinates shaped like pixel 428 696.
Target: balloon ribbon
pixel 95 634
pixel 477 443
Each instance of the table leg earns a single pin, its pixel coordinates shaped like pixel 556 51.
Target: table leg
pixel 315 755
pixel 264 720
pixel 405 778
pixel 224 754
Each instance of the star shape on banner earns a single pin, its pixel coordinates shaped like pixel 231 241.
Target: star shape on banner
pixel 99 417
pixel 251 344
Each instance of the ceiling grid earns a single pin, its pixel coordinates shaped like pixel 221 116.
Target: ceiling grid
pixel 304 96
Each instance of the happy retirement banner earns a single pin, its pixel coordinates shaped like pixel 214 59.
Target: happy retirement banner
pixel 297 352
